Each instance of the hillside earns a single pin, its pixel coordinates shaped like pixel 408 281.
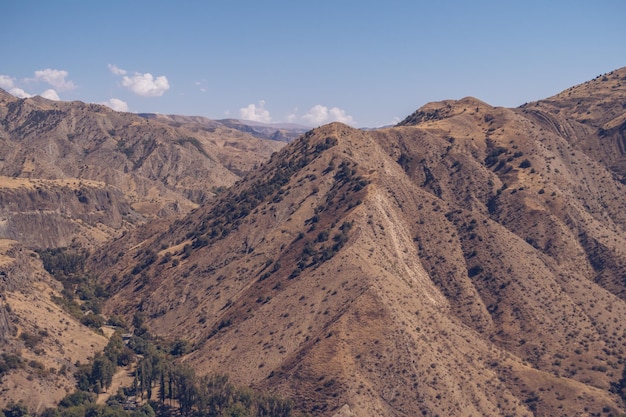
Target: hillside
pixel 40 342
pixel 468 261
pixel 118 161
pixel 76 175
pixel 284 132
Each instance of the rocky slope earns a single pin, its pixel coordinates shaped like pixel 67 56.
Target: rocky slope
pixel 469 261
pixel 76 174
pixel 40 343
pixel 142 168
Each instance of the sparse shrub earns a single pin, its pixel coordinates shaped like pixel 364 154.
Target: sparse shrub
pixel 30 340
pixel 180 347
pixel 475 270
pixel 322 236
pixel 10 361
pixel 95 321
pixel 525 164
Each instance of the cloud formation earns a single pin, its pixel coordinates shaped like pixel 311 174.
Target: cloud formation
pixel 6 82
pixel 319 114
pixel 255 113
pixel 55 78
pixel 116 104
pixel 116 70
pixel 145 85
pixel 50 94
pixel 19 93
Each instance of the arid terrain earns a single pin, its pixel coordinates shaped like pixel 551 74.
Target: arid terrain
pixel 469 261
pixel 76 174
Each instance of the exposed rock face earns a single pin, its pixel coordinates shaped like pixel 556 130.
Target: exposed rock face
pixel 47 214
pixel 469 261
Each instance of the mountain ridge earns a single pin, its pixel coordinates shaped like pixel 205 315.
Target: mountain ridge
pixel 499 211
pixel 468 261
pixel 282 132
pixel 158 169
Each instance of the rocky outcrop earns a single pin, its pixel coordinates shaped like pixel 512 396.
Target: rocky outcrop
pixel 44 214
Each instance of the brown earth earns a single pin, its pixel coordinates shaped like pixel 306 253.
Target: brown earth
pixel 56 342
pixel 88 158
pixel 82 174
pixel 469 261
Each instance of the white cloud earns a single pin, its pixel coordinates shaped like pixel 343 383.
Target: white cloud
pixel 116 70
pixel 146 85
pixel 255 113
pixel 116 104
pixel 6 82
pixel 55 78
pixel 50 94
pixel 19 93
pixel 319 114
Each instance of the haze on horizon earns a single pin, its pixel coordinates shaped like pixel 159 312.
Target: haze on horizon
pixel 363 64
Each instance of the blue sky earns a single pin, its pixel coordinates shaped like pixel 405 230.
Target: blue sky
pixel 367 63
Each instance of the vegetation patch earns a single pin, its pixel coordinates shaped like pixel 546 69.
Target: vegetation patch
pixel 82 296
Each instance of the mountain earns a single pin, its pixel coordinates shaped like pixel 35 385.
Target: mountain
pixel 74 176
pixel 469 261
pixel 71 170
pixel 283 132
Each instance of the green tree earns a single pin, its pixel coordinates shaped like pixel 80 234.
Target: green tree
pixel 102 371
pixel 270 406
pixel 185 388
pixel 14 409
pixel 77 398
pixel 83 377
pixel 145 411
pixel 139 324
pixel 117 351
pixel 215 394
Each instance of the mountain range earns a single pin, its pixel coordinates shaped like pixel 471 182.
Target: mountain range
pixel 469 261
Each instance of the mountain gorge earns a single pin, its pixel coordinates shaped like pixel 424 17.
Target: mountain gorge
pixel 469 261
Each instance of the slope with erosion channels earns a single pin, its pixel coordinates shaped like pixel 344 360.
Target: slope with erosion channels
pixel 122 163
pixel 469 261
pixel 78 175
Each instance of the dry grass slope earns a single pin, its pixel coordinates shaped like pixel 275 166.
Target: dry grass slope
pixel 467 262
